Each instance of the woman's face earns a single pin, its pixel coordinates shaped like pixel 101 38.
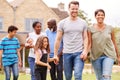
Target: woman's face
pixel 37 28
pixel 100 17
pixel 45 43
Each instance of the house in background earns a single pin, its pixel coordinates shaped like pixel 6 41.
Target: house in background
pixel 6 15
pixel 22 13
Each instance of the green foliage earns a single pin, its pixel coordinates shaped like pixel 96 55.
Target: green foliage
pixel 83 15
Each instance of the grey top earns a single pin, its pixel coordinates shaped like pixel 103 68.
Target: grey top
pixel 102 43
pixel 72 34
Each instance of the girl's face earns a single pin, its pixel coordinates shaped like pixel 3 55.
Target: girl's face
pixel 45 43
pixel 100 17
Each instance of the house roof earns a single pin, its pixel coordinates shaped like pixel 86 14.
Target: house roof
pixel 16 3
pixel 61 14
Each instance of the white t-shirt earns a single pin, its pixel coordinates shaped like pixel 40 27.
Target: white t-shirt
pixel 34 36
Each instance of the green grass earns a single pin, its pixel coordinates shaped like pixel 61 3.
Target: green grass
pixel 23 76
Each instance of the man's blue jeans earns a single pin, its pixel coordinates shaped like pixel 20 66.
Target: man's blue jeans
pixel 103 67
pixel 72 61
pixel 31 62
pixel 15 71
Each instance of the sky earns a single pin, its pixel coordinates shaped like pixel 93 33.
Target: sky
pixel 111 7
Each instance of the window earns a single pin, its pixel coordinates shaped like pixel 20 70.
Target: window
pixel 29 22
pixel 1 23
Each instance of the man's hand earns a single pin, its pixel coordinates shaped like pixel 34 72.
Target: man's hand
pixel 56 59
pixel 83 56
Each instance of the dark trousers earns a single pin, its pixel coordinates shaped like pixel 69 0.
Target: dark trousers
pixel 40 75
pixel 56 71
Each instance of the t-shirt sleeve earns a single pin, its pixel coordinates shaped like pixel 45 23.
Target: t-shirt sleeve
pixel 111 28
pixel 18 44
pixel 85 26
pixel 60 26
pixel 1 45
pixel 89 29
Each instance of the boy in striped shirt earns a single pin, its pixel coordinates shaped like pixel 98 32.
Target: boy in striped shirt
pixel 10 56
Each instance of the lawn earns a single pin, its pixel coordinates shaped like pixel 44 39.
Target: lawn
pixel 23 76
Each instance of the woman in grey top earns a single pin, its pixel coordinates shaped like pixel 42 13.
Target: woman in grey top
pixel 103 47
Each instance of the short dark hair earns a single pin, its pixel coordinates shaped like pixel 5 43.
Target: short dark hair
pixel 12 28
pixel 73 2
pixel 35 23
pixel 99 10
pixel 53 21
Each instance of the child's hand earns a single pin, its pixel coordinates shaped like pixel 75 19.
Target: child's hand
pixel 48 66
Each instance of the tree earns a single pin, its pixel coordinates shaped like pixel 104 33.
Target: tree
pixel 83 15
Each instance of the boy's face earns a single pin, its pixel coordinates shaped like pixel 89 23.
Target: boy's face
pixel 12 34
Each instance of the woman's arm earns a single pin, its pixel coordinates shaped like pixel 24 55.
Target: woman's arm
pixel 114 42
pixel 115 45
pixel 89 41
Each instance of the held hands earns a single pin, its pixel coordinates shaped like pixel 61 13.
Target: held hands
pixel 56 59
pixel 83 55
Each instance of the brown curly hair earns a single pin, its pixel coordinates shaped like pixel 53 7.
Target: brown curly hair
pixel 39 44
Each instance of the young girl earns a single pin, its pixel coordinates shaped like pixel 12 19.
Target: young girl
pixel 41 57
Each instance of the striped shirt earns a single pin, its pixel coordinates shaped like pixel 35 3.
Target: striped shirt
pixel 9 47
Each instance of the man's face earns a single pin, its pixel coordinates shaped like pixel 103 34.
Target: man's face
pixel 37 28
pixel 50 26
pixel 73 9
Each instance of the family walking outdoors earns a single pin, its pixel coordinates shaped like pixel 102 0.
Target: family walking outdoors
pixel 63 47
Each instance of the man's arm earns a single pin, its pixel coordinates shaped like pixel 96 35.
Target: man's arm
pixel 57 42
pixel 1 51
pixel 85 43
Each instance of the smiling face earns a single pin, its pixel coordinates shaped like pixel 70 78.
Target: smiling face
pixel 100 15
pixel 73 9
pixel 37 28
pixel 45 43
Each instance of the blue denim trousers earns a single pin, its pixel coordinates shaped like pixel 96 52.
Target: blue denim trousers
pixel 14 68
pixel 72 61
pixel 103 67
pixel 31 62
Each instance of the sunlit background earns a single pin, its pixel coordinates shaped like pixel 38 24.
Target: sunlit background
pixel 111 8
